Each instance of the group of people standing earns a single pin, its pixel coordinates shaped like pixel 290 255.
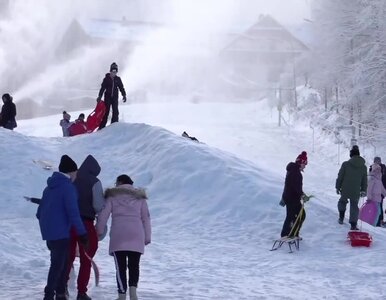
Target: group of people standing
pixel 71 203
pixel 351 184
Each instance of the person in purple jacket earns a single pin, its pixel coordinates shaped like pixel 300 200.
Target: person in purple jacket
pixel 57 212
pixel 130 231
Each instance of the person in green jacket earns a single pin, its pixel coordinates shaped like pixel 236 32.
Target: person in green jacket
pixel 351 184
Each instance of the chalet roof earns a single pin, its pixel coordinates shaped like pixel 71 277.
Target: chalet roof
pixel 266 35
pixel 133 31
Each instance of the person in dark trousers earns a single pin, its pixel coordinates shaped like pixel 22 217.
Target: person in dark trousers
pixel 90 201
pixel 8 113
pixel 130 231
pixel 378 161
pixel 293 193
pixel 351 184
pixel 110 85
pixel 57 212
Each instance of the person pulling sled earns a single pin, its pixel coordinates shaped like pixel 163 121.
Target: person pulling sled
pixel 351 184
pixel 293 198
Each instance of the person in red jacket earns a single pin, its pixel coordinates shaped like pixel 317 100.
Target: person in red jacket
pixel 110 85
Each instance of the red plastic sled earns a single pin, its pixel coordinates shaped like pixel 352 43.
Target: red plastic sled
pixel 95 118
pixel 359 238
pixel 77 128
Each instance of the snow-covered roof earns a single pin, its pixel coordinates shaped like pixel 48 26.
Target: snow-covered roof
pixel 131 31
pixel 266 35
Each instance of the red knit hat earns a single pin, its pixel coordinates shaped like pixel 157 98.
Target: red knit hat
pixel 302 158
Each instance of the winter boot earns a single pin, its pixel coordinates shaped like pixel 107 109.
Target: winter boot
pixel 133 293
pixel 61 297
pixel 341 217
pixel 121 296
pixel 354 226
pixel 83 296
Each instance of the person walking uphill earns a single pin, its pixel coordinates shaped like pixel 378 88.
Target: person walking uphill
pixel 8 113
pixel 351 184
pixel 293 193
pixel 90 202
pixel 110 85
pixel 57 212
pixel 130 231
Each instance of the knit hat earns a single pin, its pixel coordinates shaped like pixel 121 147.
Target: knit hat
pixel 113 66
pixel 302 158
pixel 67 165
pixel 66 116
pixel 377 160
pixel 124 179
pixel 354 151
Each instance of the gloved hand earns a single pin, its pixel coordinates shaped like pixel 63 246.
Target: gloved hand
pixel 98 99
pixel 83 240
pixel 147 242
pixel 27 198
pixel 338 191
pixel 103 235
pixel 282 203
pixel 363 194
pixel 305 198
pixel 124 99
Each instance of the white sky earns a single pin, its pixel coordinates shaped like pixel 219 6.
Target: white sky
pixel 214 206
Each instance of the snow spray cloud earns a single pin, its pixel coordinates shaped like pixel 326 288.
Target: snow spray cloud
pixel 31 33
pixel 184 52
pixel 180 54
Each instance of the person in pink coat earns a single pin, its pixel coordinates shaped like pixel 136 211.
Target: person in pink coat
pixel 375 188
pixel 130 231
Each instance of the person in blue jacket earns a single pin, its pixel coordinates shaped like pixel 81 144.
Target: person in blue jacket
pixel 58 210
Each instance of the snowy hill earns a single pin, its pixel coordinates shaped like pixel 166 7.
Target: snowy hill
pixel 215 212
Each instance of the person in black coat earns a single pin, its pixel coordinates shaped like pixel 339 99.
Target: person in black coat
pixel 293 193
pixel 8 113
pixel 110 85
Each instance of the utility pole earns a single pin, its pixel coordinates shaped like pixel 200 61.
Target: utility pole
pixel 279 106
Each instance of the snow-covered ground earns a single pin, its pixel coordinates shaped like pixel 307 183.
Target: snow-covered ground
pixel 214 206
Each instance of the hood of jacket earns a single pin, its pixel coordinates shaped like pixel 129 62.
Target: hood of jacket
pixel 126 189
pixel 56 179
pixel 376 171
pixel 357 161
pixel 90 166
pixel 291 167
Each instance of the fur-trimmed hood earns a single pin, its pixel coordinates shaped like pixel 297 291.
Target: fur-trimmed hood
pixel 126 189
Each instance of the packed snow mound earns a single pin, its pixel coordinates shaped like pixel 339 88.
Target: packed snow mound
pixel 213 185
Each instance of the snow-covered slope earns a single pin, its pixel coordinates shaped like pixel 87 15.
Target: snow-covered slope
pixel 214 214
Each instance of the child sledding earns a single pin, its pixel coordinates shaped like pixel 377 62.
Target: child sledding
pixel 80 126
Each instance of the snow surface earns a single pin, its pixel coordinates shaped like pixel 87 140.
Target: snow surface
pixel 214 206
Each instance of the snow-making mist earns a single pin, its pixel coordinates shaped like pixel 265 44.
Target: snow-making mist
pixel 55 54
